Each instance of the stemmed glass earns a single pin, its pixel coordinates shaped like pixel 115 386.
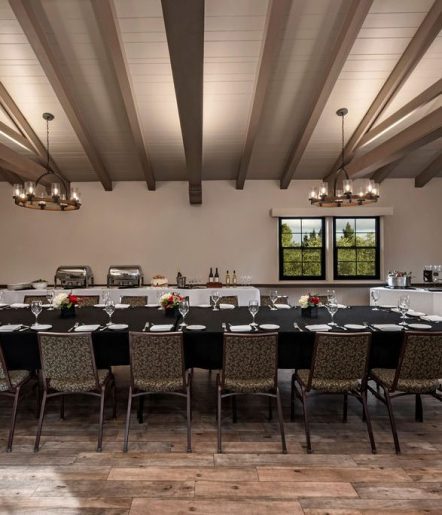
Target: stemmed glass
pixel 215 299
pixel 403 306
pixel 331 296
pixel 183 308
pixel 36 309
pixel 106 296
pixel 332 308
pixel 50 295
pixel 109 308
pixel 253 309
pixel 273 298
pixel 375 294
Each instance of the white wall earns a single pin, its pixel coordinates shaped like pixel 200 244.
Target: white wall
pixel 160 230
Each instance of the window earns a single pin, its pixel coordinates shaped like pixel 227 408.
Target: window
pixel 301 248
pixel 356 248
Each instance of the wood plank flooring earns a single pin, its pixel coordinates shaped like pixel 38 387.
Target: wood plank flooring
pixel 251 477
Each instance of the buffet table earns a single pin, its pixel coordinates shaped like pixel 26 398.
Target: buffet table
pixel 196 295
pixel 203 349
pixel 429 302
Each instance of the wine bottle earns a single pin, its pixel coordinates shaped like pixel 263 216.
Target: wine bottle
pixel 234 278
pixel 227 278
pixel 210 276
pixel 216 279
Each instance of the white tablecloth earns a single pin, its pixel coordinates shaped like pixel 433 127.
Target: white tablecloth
pixel 196 296
pixel 420 300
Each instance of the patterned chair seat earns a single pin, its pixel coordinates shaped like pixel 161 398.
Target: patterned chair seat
pixel 16 377
pixel 329 385
pixel 386 376
pixel 159 385
pixel 78 385
pixel 249 385
pixel 134 300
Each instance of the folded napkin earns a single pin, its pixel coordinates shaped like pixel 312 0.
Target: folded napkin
pixel 161 328
pixel 319 328
pixel 388 327
pixel 282 306
pixel 203 306
pixel 7 328
pixel 240 328
pixel 122 306
pixel 226 306
pixel 86 328
pixel 432 318
pixel 19 305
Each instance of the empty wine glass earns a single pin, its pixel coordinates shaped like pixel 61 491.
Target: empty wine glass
pixel 332 308
pixel 403 306
pixel 253 309
pixel 106 296
pixel 109 308
pixel 50 295
pixel 375 294
pixel 36 309
pixel 215 299
pixel 273 298
pixel 183 308
pixel 331 296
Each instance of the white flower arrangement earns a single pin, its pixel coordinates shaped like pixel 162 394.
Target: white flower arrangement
pixel 304 301
pixel 64 300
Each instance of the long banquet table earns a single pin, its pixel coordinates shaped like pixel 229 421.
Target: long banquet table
pixel 203 349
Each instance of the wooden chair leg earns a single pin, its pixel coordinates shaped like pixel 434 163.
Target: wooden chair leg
pixel 234 410
pixel 101 421
pixel 419 412
pixel 40 421
pixel 13 419
pixel 62 407
pixel 281 421
pixel 392 422
pixel 219 420
pixel 344 415
pixel 126 430
pixel 368 422
pixel 306 422
pixel 189 420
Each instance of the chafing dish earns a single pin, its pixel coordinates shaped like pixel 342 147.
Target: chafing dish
pixel 127 276
pixel 74 276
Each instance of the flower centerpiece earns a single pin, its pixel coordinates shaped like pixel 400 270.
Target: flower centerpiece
pixel 65 302
pixel 309 305
pixel 169 302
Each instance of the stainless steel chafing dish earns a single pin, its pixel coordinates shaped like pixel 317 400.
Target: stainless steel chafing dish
pixel 75 276
pixel 125 276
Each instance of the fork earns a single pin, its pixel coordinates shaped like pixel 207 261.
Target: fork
pixel 224 326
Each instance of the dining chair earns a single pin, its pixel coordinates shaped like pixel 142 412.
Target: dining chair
pixel 134 300
pixel 227 299
pixel 265 300
pixel 418 373
pixel 28 299
pixel 250 367
pixel 85 301
pixel 11 383
pixel 339 366
pixel 157 367
pixel 68 368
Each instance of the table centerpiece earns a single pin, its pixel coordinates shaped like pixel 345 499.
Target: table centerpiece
pixel 169 302
pixel 309 305
pixel 65 302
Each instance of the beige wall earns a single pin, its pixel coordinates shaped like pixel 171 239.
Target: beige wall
pixel 232 229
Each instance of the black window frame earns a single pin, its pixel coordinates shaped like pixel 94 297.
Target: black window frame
pixel 377 275
pixel 321 277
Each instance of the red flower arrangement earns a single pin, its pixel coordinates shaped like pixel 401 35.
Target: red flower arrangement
pixel 170 300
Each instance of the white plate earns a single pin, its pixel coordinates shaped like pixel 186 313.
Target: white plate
pixel 240 328
pixel 99 305
pixel 413 313
pixel 41 327
pixel 160 328
pixel 388 327
pixel 420 326
pixel 86 328
pixel 195 327
pixel 8 328
pixel 117 327
pixel 203 306
pixel 432 318
pixel 269 327
pixel 46 306
pixel 320 328
pixel 152 305
pixel 355 327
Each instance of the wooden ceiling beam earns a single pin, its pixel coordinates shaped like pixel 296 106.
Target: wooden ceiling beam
pixel 19 164
pixel 382 173
pixel 277 16
pixel 432 170
pixel 106 18
pixel 350 29
pixel 424 36
pixel 184 22
pixel 15 137
pixel 424 131
pixel 10 177
pixel 25 13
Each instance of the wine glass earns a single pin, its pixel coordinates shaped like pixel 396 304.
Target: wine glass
pixel 331 296
pixel 215 299
pixel 106 296
pixel 36 309
pixel 273 298
pixel 375 294
pixel 403 306
pixel 50 295
pixel 109 308
pixel 332 308
pixel 253 309
pixel 183 308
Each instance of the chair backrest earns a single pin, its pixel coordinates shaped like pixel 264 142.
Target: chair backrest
pixel 156 356
pixel 67 356
pixel 421 357
pixel 30 298
pixel 250 356
pixel 134 300
pixel 340 356
pixel 4 375
pixel 265 300
pixel 87 300
pixel 229 299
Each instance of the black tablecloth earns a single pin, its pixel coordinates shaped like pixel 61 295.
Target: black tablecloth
pixel 202 349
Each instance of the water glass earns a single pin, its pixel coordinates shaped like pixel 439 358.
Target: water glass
pixel 332 308
pixel 106 296
pixel 183 308
pixel 36 309
pixel 273 298
pixel 109 308
pixel 215 299
pixel 403 306
pixel 331 296
pixel 253 309
pixel 375 294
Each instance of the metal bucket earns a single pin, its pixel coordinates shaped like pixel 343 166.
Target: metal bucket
pixel 399 282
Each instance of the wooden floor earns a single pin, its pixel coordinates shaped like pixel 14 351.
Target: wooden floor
pixel 157 476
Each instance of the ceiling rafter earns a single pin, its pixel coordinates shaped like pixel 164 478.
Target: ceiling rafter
pixel 25 13
pixel 10 176
pixel 433 169
pixel 21 165
pixel 424 131
pixel 350 29
pixel 184 22
pixel 108 25
pixel 382 173
pixel 424 36
pixel 277 16
pixel 16 137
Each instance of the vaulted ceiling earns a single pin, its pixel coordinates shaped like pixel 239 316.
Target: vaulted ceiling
pixel 194 90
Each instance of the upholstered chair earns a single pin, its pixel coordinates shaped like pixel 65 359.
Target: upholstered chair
pixel 265 300
pixel 85 301
pixel 134 300
pixel 31 298
pixel 227 299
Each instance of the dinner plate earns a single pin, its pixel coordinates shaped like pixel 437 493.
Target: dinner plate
pixel 117 327
pixel 2 305
pixel 320 328
pixel 151 305
pixel 122 306
pixel 195 327
pixel 420 326
pixel 41 327
pixel 240 328
pixel 413 313
pixel 227 306
pixel 282 306
pixel 9 328
pixel 203 306
pixel 355 327
pixel 269 327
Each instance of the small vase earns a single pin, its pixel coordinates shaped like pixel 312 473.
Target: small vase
pixel 67 312
pixel 171 312
pixel 310 312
